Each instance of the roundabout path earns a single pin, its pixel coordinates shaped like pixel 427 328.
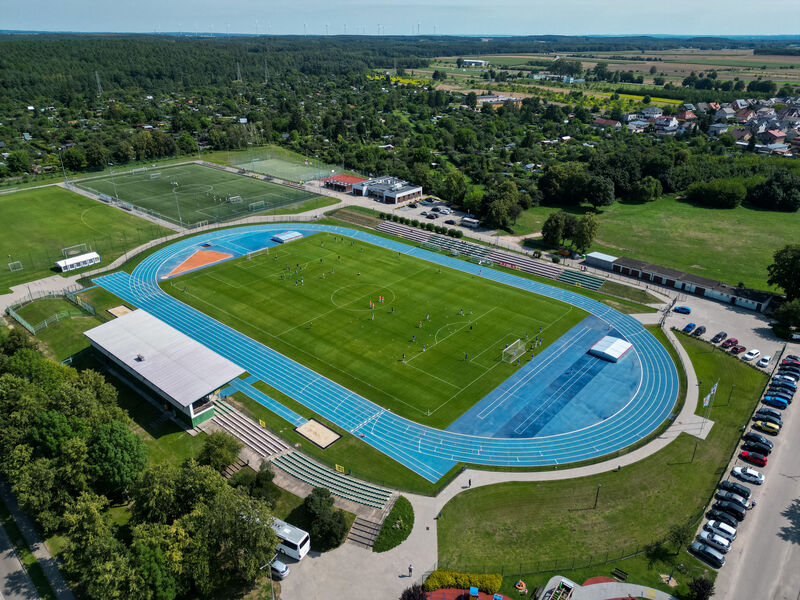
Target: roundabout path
pixel 429 452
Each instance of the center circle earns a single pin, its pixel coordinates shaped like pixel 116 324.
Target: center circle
pixel 357 296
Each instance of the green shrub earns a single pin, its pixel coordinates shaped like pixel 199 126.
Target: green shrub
pixel 487 583
pixel 429 226
pixel 396 527
pixel 459 234
pixel 415 223
pixel 452 232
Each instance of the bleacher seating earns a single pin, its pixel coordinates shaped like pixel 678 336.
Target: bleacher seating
pixel 339 484
pixel 590 282
pixel 260 440
pixel 404 231
pixel 459 246
pixel 526 264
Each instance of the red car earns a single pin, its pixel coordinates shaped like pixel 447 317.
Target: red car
pixel 790 363
pixel 738 349
pixel 729 342
pixel 753 457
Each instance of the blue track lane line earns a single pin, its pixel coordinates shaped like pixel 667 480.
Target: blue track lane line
pixel 240 385
pixel 427 451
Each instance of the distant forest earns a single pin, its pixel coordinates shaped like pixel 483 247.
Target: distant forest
pixel 62 66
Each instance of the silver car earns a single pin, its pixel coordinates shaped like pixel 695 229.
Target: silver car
pixel 279 570
pixel 721 529
pixel 731 497
pixel 715 541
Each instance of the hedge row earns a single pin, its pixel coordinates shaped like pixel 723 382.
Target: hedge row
pixel 396 527
pixel 488 583
pixel 456 233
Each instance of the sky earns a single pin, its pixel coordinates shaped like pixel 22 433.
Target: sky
pixel 405 17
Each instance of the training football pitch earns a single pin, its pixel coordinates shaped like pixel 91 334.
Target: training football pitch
pixel 282 163
pixel 191 194
pixel 311 300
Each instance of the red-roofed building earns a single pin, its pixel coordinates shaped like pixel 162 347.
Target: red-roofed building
pixel 745 115
pixel 686 115
pixel 600 123
pixel 342 183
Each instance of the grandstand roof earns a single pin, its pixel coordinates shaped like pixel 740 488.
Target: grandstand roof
pixel 181 368
pixel 345 178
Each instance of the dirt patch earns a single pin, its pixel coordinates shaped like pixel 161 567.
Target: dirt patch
pixel 201 258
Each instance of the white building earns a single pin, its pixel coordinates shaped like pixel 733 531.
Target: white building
pixel 472 62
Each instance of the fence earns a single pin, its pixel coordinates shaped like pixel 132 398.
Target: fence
pixel 69 295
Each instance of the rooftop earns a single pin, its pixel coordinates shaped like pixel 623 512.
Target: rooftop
pixel 180 367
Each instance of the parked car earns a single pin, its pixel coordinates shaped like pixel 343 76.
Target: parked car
pixel 775 401
pixel 786 380
pixel 431 216
pixel 753 457
pixel 769 411
pixel 790 377
pixel 757 448
pixel 689 327
pixel 436 209
pixel 715 541
pixel 707 554
pixel 684 310
pixel 699 331
pixel 793 357
pixel 790 363
pixel 738 349
pixel 748 474
pixel 751 354
pixel 736 488
pixel 764 361
pixel 731 497
pixel 752 436
pixel 730 343
pixel 718 515
pixel 449 222
pixel 788 386
pixel 281 570
pixel 769 419
pixel 766 427
pixel 424 213
pixel 789 370
pixel 780 393
pixel 722 529
pixel 719 337
pixel 413 205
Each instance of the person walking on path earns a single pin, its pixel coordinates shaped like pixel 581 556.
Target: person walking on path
pixel 469 483
pixel 410 571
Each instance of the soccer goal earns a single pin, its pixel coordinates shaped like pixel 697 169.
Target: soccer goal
pixel 254 253
pixel 15 266
pixel 259 205
pixel 139 171
pixel 156 175
pixel 513 351
pixel 234 199
pixel 75 250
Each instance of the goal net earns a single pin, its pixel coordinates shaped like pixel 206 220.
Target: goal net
pixel 258 205
pixel 74 250
pixel 156 175
pixel 234 199
pixel 254 253
pixel 513 351
pixel 15 266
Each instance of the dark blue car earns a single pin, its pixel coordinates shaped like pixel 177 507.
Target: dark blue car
pixel 776 402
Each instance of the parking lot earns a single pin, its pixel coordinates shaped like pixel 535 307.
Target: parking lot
pixel 436 211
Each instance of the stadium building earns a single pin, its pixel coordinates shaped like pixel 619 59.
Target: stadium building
pixel 389 190
pixel 342 183
pixel 171 366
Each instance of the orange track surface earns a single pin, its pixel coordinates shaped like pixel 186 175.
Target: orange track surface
pixel 201 258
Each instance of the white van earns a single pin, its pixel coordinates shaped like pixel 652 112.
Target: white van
pixel 292 541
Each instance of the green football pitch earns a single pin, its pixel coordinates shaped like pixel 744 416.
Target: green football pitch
pixel 40 222
pixel 191 194
pixel 282 163
pixel 321 317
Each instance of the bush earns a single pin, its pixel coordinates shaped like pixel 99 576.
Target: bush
pixel 717 193
pixel 452 232
pixel 415 592
pixel 394 218
pixel 396 527
pixel 429 226
pixel 219 450
pixel 415 223
pixel 488 583
pixel 329 526
pixel 556 258
pixel 459 233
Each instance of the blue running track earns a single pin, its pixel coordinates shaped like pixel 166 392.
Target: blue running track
pixel 427 451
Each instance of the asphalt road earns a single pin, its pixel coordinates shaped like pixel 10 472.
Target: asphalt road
pixel 764 562
pixel 15 584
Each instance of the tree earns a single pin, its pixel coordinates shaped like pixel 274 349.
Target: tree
pixel 780 192
pixel 455 186
pixel 154 579
pixel 585 232
pixel 328 527
pixel 784 272
pixel 74 158
pixel 788 313
pixel 599 191
pixel 498 204
pixel 553 228
pixel 459 62
pixel 471 100
pixel 680 534
pixel 97 155
pixel 219 450
pixel 18 161
pixel 473 200
pixel 117 456
pixel 717 193
pixel 646 189
pixel 700 588
pixel 154 495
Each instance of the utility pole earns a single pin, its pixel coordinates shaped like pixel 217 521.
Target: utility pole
pixel 177 204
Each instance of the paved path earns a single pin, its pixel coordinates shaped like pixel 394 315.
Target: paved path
pixel 606 590
pixel 36 544
pixel 15 583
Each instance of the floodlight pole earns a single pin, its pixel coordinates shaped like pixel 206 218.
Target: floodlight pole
pixel 597 495
pixel 113 181
pixel 177 204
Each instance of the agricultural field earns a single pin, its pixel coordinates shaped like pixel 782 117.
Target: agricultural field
pixel 524 527
pixel 728 245
pixel 46 220
pixel 191 194
pixel 406 353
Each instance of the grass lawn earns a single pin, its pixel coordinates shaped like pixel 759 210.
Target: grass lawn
pixel 525 527
pixel 194 193
pixel 434 384
pixel 626 291
pixel 25 555
pixel 729 245
pixel 41 222
pixel 64 338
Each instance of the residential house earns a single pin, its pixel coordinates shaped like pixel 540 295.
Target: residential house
pixel 741 134
pixel 666 125
pixel 651 112
pixel 745 116
pixel 686 115
pixel 687 127
pixel 600 123
pixel 717 129
pixel 702 107
pixel 766 111
pixel 772 136
pixel 638 126
pixel 739 104
pixel 688 106
pixel 723 114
